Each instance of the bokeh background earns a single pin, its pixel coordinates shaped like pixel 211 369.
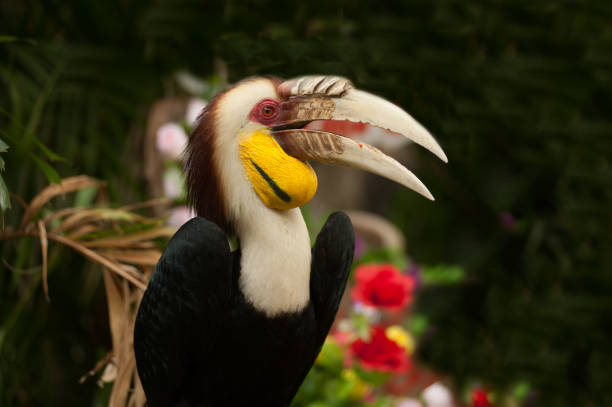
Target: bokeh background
pixel 517 93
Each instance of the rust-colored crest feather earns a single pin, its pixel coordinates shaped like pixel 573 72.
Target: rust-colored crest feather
pixel 204 189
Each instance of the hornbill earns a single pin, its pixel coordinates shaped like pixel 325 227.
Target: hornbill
pixel 234 328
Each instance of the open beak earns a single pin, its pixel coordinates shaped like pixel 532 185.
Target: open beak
pixel 310 98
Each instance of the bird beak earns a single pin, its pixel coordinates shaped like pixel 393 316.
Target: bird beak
pixel 310 98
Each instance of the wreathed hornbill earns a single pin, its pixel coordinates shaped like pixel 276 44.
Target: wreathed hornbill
pixel 222 328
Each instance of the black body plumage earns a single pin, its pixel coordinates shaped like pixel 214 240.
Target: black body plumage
pixel 198 342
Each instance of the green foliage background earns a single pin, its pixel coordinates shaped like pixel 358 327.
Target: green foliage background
pixel 518 94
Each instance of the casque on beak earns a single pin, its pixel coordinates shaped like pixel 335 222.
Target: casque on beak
pixel 310 98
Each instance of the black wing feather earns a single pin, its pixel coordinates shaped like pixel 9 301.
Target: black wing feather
pixel 332 256
pixel 192 277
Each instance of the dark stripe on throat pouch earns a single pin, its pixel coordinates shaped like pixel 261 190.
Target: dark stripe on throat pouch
pixel 277 190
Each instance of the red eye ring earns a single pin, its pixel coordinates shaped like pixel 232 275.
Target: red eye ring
pixel 266 112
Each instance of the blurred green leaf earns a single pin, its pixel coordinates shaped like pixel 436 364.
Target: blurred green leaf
pixel 85 196
pixel 331 356
pixel 417 324
pixel 373 377
pixel 50 173
pixel 384 255
pixel 10 38
pixel 383 401
pixel 442 274
pixel 521 391
pixel 5 199
pixel 361 325
pixel 50 154
pixel 343 390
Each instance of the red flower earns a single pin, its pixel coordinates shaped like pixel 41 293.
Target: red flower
pixel 480 398
pixel 383 285
pixel 380 353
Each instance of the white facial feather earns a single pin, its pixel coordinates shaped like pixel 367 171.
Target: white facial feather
pixel 275 264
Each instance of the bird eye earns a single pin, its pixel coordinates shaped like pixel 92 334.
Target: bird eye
pixel 268 111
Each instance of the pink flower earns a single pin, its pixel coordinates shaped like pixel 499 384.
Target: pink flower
pixel 408 402
pixel 341 337
pixel 194 108
pixel 437 395
pixel 179 215
pixel 380 353
pixel 174 183
pixel 382 285
pixel 171 140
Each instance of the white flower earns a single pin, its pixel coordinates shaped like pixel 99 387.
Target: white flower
pixel 370 312
pixel 174 183
pixel 191 83
pixel 437 395
pixel 408 402
pixel 194 108
pixel 171 140
pixel 179 215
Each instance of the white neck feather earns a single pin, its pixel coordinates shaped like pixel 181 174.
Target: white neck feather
pixel 275 263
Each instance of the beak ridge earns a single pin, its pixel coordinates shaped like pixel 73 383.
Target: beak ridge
pixel 315 85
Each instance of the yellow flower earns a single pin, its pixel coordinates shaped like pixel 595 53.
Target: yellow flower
pixel 400 336
pixel 359 387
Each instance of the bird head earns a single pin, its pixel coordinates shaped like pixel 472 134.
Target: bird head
pixel 251 147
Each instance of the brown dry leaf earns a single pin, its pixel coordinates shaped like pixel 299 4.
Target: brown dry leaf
pixel 117 299
pixel 138 245
pixel 19 200
pixel 44 245
pixel 147 272
pixel 68 185
pixel 137 257
pixel 79 218
pixel 109 374
pixel 112 286
pixel 97 214
pixel 148 204
pixel 126 258
pixel 137 398
pixel 92 255
pixel 98 366
pixel 82 231
pixel 60 213
pixel 132 270
pixel 122 309
pixel 123 383
pixel 126 362
pixel 126 241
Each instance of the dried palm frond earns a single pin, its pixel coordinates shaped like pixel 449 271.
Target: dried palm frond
pixel 127 245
